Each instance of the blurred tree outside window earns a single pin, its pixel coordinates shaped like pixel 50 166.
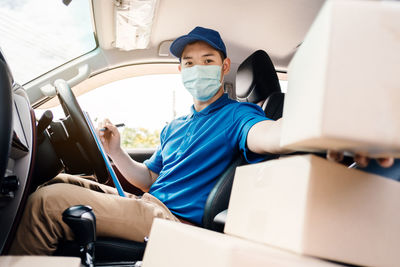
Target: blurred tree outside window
pixel 140 138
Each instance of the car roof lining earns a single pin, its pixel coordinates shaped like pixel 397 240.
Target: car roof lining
pixel 292 17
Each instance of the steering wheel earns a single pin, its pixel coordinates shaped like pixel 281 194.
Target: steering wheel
pixel 6 104
pixel 80 130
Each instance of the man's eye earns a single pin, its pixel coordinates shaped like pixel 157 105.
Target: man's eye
pixel 188 63
pixel 208 61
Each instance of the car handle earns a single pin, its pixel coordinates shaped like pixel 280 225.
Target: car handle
pixel 83 72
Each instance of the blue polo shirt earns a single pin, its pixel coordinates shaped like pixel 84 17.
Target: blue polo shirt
pixel 196 149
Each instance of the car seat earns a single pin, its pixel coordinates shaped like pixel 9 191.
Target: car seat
pixel 257 82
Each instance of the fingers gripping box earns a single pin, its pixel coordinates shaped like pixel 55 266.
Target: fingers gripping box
pixel 173 244
pixel 315 207
pixel 344 83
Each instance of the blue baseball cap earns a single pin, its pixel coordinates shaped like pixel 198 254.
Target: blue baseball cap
pixel 198 34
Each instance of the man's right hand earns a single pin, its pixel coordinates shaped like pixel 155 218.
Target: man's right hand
pixel 361 160
pixel 136 173
pixel 110 137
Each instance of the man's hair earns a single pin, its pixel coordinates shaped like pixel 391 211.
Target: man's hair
pixel 222 55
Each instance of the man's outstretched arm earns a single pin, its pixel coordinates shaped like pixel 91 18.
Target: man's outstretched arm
pixel 264 137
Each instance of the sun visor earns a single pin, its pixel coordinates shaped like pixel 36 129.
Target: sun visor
pixel 133 23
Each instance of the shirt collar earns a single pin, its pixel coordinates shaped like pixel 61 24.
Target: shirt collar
pixel 220 102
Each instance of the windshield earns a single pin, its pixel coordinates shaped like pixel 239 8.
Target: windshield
pixel 38 36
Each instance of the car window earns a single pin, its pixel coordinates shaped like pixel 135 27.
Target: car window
pixel 145 104
pixel 34 43
pixel 283 85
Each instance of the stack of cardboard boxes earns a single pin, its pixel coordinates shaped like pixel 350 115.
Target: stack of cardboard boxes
pixel 344 84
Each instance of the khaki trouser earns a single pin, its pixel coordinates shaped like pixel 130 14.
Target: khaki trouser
pixel 42 226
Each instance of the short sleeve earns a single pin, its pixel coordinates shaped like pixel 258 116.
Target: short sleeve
pixel 245 117
pixel 155 162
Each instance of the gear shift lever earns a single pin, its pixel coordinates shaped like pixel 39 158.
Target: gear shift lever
pixel 82 221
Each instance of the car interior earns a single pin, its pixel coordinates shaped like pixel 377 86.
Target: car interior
pixel 256 82
pixel 44 131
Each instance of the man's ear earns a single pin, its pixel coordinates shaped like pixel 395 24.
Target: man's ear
pixel 226 65
pixel 179 67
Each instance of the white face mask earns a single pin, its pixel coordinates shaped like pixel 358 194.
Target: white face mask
pixel 202 82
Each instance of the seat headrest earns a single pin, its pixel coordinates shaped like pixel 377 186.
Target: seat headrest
pixel 4 64
pixel 273 106
pixel 256 78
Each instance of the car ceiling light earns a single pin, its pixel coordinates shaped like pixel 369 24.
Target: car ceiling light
pixel 133 22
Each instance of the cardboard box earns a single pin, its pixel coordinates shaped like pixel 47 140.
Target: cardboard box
pixel 344 82
pixel 173 244
pixel 315 207
pixel 39 261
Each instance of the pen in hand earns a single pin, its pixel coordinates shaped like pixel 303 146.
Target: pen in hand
pixel 116 125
